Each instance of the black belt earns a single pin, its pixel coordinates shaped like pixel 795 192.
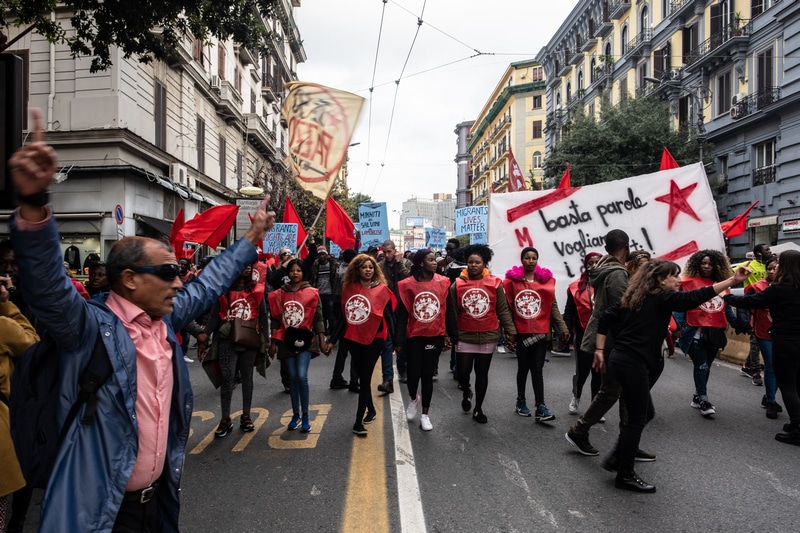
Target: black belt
pixel 142 495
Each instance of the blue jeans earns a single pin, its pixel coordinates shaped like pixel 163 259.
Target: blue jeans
pixel 702 358
pixel 298 380
pixel 770 382
pixel 386 360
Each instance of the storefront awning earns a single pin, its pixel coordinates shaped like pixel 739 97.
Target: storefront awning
pixel 762 221
pixel 161 226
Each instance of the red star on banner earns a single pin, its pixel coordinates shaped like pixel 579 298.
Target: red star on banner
pixel 677 200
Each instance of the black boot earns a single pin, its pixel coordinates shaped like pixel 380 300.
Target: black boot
pixel 632 481
pixel 791 435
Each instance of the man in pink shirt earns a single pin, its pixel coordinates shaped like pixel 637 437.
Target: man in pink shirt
pixel 121 473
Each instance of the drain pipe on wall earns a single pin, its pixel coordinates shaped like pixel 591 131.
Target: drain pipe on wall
pixel 52 95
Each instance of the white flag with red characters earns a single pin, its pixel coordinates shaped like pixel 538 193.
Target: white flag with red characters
pixel 321 124
pixel 671 214
pixel 516 181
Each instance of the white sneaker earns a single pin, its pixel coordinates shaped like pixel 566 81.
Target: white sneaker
pixel 501 349
pixel 573 405
pixel 411 410
pixel 188 359
pixel 425 423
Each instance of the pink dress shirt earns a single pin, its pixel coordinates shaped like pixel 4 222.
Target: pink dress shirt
pixel 154 381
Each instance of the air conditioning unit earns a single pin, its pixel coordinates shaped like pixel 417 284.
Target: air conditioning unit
pixel 178 174
pixel 736 112
pixel 675 74
pixel 215 82
pixel 191 182
pixel 738 97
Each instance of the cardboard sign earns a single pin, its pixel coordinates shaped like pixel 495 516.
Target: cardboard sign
pixel 472 219
pixel 374 224
pixel 334 249
pixel 671 214
pixel 282 235
pixel 435 238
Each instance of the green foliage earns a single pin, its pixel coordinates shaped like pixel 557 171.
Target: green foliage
pixel 144 29
pixel 626 141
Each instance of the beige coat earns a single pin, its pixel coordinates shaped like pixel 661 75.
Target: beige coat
pixel 16 334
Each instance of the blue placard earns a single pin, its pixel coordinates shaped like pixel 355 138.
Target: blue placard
pixel 374 224
pixel 282 235
pixel 334 249
pixel 435 238
pixel 472 219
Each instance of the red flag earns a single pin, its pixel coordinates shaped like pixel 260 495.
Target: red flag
pixel 738 225
pixel 210 226
pixel 564 183
pixel 174 235
pixel 290 216
pixel 667 161
pixel 338 226
pixel 516 182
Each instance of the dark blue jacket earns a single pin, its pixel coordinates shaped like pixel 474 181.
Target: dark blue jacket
pixel 95 461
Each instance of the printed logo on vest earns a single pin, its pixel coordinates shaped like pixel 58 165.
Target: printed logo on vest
pixel 357 309
pixel 426 307
pixel 714 305
pixel 475 302
pixel 528 304
pixel 240 309
pixel 293 314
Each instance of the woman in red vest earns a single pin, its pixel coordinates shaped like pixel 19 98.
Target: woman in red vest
pixel 244 300
pixel 577 312
pixel 297 315
pixel 477 308
pixel 761 322
pixel 531 293
pixel 421 314
pixel 703 328
pixel 368 310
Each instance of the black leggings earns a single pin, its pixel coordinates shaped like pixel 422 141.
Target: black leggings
pixel 422 360
pixel 482 362
pixel 583 367
pixel 364 358
pixel 530 359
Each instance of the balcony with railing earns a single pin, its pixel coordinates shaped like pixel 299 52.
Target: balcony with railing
pixel 618 8
pixel 681 8
pixel 764 175
pixel 639 45
pixel 604 25
pixel 267 87
pixel 755 102
pixel 566 66
pixel 588 40
pixel 499 127
pixel 259 135
pixel 713 50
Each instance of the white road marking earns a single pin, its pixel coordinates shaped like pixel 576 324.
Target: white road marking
pixel 412 516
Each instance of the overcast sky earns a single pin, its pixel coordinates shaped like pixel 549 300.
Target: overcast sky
pixel 441 84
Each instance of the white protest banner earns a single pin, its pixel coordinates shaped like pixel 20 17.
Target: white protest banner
pixel 374 224
pixel 671 214
pixel 435 238
pixel 282 235
pixel 472 219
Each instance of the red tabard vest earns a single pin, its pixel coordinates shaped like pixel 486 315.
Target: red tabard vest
pixel 582 303
pixel 295 309
pixel 425 302
pixel 708 314
pixel 239 304
pixel 762 320
pixel 362 308
pixel 476 302
pixel 530 304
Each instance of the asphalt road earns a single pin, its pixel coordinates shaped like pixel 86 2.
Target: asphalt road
pixel 724 474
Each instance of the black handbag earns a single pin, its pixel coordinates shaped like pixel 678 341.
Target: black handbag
pixel 713 338
pixel 298 340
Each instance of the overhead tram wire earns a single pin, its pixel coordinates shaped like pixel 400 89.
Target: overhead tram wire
pixel 371 88
pixel 396 91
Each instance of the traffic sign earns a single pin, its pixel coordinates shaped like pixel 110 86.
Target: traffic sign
pixel 118 215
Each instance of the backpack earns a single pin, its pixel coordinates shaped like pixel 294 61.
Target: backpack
pixel 33 405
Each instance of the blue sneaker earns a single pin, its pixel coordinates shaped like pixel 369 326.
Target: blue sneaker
pixel 305 425
pixel 294 422
pixel 543 414
pixel 522 408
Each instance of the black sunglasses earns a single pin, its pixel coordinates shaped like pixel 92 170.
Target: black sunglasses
pixel 284 254
pixel 167 272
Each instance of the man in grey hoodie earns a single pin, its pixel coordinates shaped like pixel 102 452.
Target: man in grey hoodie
pixel 609 279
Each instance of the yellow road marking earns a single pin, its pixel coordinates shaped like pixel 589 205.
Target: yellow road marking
pixel 283 439
pixel 204 415
pixel 261 417
pixel 366 505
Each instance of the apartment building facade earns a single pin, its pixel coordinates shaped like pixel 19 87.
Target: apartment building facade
pixel 511 121
pixel 729 71
pixel 138 142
